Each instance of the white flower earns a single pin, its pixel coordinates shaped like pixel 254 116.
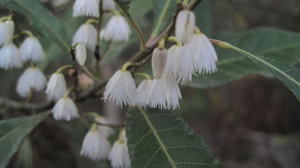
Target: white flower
pixel 31 50
pixel 185 25
pixel 95 145
pixel 56 87
pixel 143 92
pixel 6 32
pixel 105 130
pixel 121 89
pixel 119 155
pixel 180 63
pixel 31 79
pixel 158 62
pixel 65 109
pixel 117 29
pixel 173 94
pixel 9 57
pixel 86 8
pixel 87 35
pixel 80 53
pixel 108 4
pixel 205 56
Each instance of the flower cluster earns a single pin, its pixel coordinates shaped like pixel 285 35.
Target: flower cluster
pixel 192 54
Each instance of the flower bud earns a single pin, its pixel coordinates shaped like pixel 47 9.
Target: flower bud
pixel 159 60
pixel 80 53
pixel 56 87
pixel 6 32
pixel 185 25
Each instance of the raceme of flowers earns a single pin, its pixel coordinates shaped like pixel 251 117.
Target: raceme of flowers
pixel 191 53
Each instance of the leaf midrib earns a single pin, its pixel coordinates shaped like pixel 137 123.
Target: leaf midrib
pixel 64 44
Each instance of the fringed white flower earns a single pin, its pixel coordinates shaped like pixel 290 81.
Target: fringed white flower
pixel 173 94
pixel 143 91
pixel 108 4
pixel 6 32
pixel 31 79
pixel 205 56
pixel 65 109
pixel 120 89
pixel 185 25
pixel 117 29
pixel 80 53
pixel 119 155
pixel 56 87
pixel 9 57
pixel 87 35
pixel 180 63
pixel 95 145
pixel 86 8
pixel 105 130
pixel 157 94
pixel 31 50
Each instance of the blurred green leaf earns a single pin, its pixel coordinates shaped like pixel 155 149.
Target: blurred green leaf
pixel 25 155
pixel 13 132
pixel 40 19
pixel 280 45
pixel 160 139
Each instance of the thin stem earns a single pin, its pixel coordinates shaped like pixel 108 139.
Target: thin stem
pixel 91 21
pixel 69 91
pixel 185 3
pixel 161 18
pixel 28 33
pixel 174 40
pixel 59 70
pixel 135 26
pixel 128 64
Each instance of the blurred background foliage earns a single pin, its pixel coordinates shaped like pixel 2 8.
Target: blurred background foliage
pixel 247 118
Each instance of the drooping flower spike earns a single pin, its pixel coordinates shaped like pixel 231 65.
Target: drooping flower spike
pixel 65 108
pixel 117 29
pixel 121 87
pixel 32 79
pixel 87 35
pixel 31 49
pixel 119 155
pixel 95 145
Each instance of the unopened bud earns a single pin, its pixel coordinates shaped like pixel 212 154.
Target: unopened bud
pixel 159 60
pixel 80 53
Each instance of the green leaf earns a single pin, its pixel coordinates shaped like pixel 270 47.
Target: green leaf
pixel 280 45
pixel 40 19
pixel 159 139
pixel 288 74
pixel 25 155
pixel 12 134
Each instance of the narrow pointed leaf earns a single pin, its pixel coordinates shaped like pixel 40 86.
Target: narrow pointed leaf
pixel 271 43
pixel 40 18
pixel 159 139
pixel 12 134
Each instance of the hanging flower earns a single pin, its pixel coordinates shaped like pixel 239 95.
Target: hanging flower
pixel 9 57
pixel 65 109
pixel 119 155
pixel 105 130
pixel 87 35
pixel 80 53
pixel 143 92
pixel 31 79
pixel 108 4
pixel 117 29
pixel 205 56
pixel 121 89
pixel 95 145
pixel 31 50
pixel 180 63
pixel 86 8
pixel 6 32
pixel 185 25
pixel 56 87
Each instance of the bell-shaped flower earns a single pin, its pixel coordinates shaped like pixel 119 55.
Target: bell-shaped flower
pixel 143 92
pixel 117 29
pixel 10 57
pixel 95 145
pixel 119 156
pixel 80 53
pixel 205 56
pixel 108 4
pixel 65 109
pixel 31 50
pixel 87 35
pixel 6 32
pixel 86 8
pixel 121 89
pixel 32 79
pixel 104 129
pixel 185 25
pixel 56 87
pixel 180 63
